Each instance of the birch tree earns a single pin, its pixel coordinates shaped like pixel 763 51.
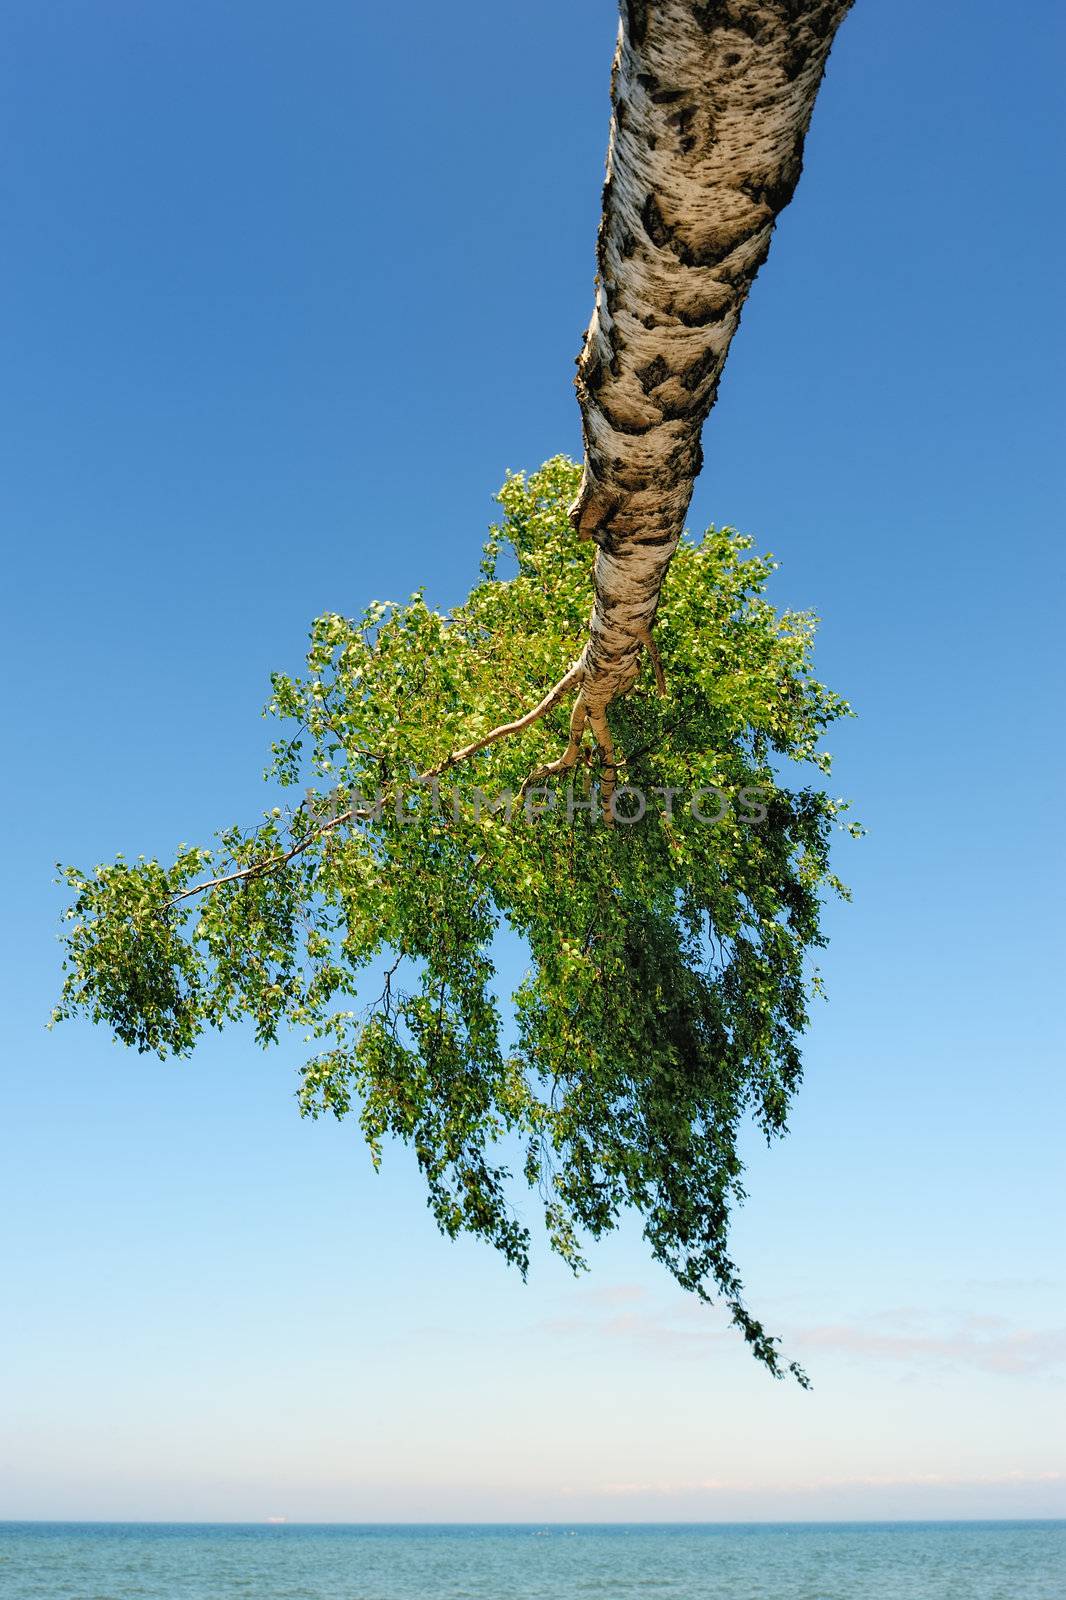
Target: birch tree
pixel 615 792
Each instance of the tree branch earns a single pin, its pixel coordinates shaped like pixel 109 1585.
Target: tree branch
pixel 357 813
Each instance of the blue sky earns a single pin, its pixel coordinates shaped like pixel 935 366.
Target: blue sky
pixel 285 291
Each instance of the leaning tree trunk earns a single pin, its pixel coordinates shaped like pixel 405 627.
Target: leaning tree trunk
pixel 710 105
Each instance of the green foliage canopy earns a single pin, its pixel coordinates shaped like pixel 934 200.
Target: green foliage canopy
pixel 669 972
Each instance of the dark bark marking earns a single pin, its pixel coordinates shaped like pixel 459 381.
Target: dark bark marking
pixel 708 15
pixel 593 375
pixel 654 539
pixel 775 190
pixel 682 121
pixel 654 225
pixel 630 430
pixel 695 373
pixel 741 276
pixel 737 16
pixel 703 316
pixel 716 245
pixel 649 377
pixel 636 20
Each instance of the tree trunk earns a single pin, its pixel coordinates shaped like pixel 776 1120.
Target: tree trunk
pixel 710 105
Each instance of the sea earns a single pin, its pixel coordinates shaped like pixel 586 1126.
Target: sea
pixel 711 1561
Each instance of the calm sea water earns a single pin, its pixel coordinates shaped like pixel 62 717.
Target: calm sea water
pixel 721 1561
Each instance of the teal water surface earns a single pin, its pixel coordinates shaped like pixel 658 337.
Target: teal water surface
pixel 714 1561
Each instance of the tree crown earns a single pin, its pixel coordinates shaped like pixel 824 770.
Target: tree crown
pixel 668 941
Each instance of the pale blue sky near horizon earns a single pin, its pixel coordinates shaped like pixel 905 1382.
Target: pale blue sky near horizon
pixel 285 291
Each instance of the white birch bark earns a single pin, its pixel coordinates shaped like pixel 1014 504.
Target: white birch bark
pixel 710 105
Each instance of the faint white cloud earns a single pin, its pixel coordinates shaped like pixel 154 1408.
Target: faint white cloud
pixel 613 1294
pixel 1010 1285
pixel 987 1343
pixel 606 1313
pixel 919 1480
pixel 907 1336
